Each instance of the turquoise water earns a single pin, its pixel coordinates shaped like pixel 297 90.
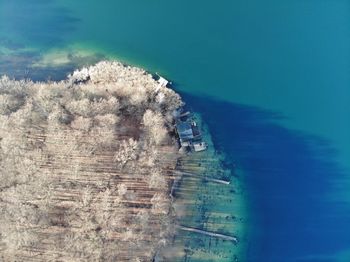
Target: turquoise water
pixel 271 77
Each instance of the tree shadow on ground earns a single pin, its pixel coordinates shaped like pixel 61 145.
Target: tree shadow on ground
pixel 296 215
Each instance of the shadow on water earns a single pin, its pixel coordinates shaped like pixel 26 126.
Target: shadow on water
pixel 295 215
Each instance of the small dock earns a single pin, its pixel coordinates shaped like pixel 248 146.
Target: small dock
pixel 162 82
pixel 217 181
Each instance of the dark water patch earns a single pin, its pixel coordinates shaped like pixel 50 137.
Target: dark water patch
pixel 39 25
pixel 295 213
pixel 17 65
pixel 20 65
pixel 35 23
pixel 60 72
pixel 10 44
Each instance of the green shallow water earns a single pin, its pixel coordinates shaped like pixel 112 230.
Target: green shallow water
pixel 271 78
pixel 208 205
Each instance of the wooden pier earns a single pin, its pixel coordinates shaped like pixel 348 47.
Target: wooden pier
pixel 218 181
pixel 207 233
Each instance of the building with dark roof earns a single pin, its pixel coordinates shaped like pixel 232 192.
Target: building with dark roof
pixel 189 135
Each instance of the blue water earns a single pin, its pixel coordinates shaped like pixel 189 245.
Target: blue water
pixel 290 176
pixel 271 78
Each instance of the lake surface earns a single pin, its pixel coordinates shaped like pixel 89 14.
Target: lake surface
pixel 272 79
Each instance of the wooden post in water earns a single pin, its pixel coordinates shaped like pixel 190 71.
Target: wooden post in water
pixel 212 234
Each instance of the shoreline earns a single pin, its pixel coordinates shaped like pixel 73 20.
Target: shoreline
pixel 196 206
pixel 204 209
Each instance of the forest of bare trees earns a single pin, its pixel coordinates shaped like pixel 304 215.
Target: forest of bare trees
pixel 85 166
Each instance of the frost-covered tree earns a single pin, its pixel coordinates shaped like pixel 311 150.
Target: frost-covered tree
pixel 154 123
pixel 81 177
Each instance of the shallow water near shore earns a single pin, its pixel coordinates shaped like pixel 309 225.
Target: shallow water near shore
pixel 209 196
pixel 271 79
